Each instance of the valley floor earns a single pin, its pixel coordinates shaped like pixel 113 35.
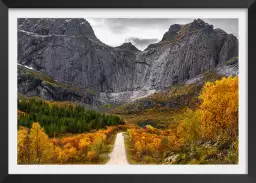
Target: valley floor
pixel 188 124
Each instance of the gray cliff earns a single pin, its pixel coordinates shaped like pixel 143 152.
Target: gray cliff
pixel 69 52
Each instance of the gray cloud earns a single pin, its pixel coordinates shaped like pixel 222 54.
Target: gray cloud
pixel 141 43
pixel 230 25
pixel 120 25
pixel 144 31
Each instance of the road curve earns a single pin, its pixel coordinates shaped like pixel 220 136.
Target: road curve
pixel 118 155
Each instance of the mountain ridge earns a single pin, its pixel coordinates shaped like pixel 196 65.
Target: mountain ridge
pixel 68 51
pixel 128 46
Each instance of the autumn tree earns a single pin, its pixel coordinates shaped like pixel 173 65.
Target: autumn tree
pixel 219 108
pixel 23 145
pixel 41 149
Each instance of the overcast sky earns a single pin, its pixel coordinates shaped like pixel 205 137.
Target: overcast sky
pixel 142 32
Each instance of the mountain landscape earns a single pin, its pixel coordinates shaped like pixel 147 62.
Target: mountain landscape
pixel 68 51
pixel 146 93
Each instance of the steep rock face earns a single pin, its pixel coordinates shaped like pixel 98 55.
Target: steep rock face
pixel 32 83
pixel 77 58
pixel 194 49
pixel 68 51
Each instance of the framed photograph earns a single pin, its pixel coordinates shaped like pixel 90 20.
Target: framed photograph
pixel 154 91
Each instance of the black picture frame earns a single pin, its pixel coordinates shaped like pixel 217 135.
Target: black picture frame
pixel 5 4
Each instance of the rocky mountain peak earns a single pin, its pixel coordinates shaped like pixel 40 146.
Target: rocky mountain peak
pixel 62 26
pixel 199 24
pixel 128 46
pixel 172 32
pixel 174 28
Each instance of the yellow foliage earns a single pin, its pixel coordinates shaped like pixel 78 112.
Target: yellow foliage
pixel 149 128
pixel 219 108
pixel 41 149
pixel 153 142
pixel 84 143
pixel 23 145
pixel 92 154
pixel 217 116
pixel 190 126
pixel 34 146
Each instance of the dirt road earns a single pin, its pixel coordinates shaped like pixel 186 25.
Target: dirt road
pixel 118 155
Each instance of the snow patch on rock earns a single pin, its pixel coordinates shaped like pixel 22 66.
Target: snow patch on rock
pixel 31 68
